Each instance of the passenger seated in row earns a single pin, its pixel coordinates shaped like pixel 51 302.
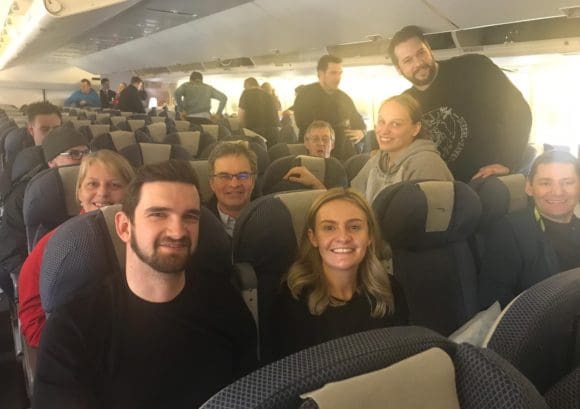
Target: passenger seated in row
pixel 62 146
pixel 406 152
pixel 149 337
pixel 529 246
pixel 319 142
pixel 102 180
pixel 233 168
pixel 337 286
pixel 43 117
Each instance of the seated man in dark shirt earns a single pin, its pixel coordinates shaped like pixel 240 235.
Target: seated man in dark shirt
pixel 151 337
pixel 529 246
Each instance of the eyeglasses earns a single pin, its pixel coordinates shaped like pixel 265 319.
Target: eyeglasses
pixel 318 139
pixel 226 177
pixel 75 154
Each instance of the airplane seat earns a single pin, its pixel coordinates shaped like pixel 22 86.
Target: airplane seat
pixel 354 164
pixel 539 331
pixel 218 131
pixel 144 117
pixel 566 393
pixel 201 168
pixel 25 161
pixel 198 120
pixel 15 141
pixel 286 149
pixel 143 153
pixel 528 157
pixel 115 141
pixel 258 148
pixel 328 171
pixel 194 141
pixel 397 367
pixel 49 200
pixel 94 130
pixel 183 126
pixel 499 195
pixel 86 249
pixel 119 121
pixel 78 123
pixel 155 132
pixel 265 241
pixel 427 225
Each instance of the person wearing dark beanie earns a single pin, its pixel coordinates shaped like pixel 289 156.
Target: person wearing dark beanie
pixel 64 146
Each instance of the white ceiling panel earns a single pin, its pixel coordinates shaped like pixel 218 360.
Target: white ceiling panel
pixel 259 27
pixel 469 14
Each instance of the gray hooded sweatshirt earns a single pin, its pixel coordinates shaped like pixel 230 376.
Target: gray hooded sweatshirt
pixel 420 160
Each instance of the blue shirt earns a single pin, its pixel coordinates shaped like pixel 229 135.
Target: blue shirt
pixel 92 99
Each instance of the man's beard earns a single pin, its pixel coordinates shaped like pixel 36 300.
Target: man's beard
pixel 167 264
pixel 420 83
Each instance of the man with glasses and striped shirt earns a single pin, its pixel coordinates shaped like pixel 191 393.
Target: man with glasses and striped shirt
pixel 233 168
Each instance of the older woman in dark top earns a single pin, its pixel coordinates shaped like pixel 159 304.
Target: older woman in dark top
pixel 337 286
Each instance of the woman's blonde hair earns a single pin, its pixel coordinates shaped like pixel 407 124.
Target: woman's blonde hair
pixel 306 280
pixel 111 160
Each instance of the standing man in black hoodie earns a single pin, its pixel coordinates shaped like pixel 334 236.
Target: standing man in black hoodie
pixel 476 116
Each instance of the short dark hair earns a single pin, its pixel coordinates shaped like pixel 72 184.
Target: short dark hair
pixel 235 149
pixel 136 80
pixel 172 170
pixel 196 76
pixel 86 81
pixel 41 108
pixel 404 34
pixel 554 156
pixel 251 82
pixel 104 80
pixel 327 59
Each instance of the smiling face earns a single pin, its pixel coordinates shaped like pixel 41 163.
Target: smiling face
pixel 233 194
pixel 341 235
pixel 395 129
pixel 100 187
pixel 555 189
pixel 165 229
pixel 415 62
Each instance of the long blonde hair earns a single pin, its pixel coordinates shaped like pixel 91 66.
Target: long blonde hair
pixel 305 278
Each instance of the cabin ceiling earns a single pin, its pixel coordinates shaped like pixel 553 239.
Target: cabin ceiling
pixel 164 36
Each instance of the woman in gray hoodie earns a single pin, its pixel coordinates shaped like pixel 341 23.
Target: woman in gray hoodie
pixel 406 152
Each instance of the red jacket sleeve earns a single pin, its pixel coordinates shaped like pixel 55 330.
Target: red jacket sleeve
pixel 30 312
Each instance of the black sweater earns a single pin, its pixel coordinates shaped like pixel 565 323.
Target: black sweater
pixel 115 350
pixel 296 329
pixel 475 115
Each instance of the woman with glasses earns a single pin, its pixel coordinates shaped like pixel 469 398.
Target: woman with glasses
pixel 103 177
pixel 406 152
pixel 337 286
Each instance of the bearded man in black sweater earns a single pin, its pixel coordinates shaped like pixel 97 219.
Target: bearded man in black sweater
pixel 150 337
pixel 476 116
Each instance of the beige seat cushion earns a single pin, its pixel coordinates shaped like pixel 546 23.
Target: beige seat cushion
pixel 425 380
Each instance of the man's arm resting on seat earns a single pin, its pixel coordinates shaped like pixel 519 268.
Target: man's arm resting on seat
pixel 302 175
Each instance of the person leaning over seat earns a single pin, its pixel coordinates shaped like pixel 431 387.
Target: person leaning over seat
pixel 102 180
pixel 526 247
pixel 406 152
pixel 152 336
pixel 319 142
pixel 337 286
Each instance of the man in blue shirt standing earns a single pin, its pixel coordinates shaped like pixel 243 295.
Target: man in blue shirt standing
pixel 85 96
